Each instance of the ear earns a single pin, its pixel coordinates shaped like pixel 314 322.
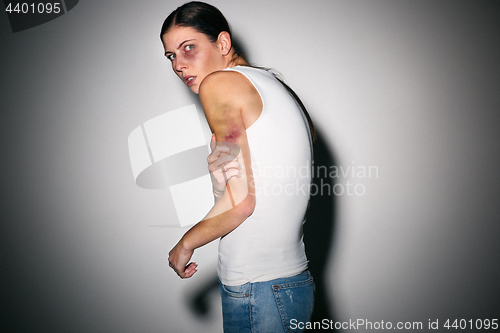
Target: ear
pixel 224 40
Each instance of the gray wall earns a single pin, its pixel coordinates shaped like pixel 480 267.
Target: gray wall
pixel 410 87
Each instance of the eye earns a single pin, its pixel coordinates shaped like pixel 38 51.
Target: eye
pixel 189 47
pixel 171 56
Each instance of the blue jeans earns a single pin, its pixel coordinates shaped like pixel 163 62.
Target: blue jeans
pixel 268 307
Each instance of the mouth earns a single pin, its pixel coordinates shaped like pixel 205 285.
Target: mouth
pixel 189 80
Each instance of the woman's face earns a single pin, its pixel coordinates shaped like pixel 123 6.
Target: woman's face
pixel 192 54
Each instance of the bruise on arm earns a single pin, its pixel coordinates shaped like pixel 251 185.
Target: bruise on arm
pixel 233 133
pixel 223 101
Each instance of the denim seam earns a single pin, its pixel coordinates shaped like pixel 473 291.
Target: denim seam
pixel 235 295
pixel 280 308
pixel 284 286
pixel 250 299
pixel 293 284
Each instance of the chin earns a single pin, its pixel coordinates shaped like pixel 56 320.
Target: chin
pixel 195 89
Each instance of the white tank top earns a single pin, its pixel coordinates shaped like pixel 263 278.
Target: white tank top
pixel 268 244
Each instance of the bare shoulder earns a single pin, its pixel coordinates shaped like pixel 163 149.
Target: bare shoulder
pixel 230 90
pixel 228 87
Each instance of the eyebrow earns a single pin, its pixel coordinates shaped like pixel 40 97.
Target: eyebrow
pixel 180 45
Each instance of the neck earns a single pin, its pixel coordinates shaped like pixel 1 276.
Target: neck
pixel 236 60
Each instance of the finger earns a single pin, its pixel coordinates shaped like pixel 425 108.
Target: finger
pixel 212 142
pixel 222 173
pixel 191 268
pixel 225 168
pixel 214 155
pixel 234 148
pixel 188 271
pixel 217 165
pixel 191 265
pixel 216 171
pixel 231 165
pixel 222 176
pixel 222 160
pixel 217 152
pixel 186 275
pixel 221 179
pixel 232 173
pixel 222 147
pixel 189 274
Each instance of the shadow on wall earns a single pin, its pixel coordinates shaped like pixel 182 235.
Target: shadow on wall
pixel 319 229
pixel 318 236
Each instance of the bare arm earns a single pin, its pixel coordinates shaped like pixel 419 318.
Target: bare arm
pixel 224 95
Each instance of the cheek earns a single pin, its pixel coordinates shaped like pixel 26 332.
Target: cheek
pixel 190 55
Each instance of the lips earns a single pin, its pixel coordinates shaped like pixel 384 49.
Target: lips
pixel 189 80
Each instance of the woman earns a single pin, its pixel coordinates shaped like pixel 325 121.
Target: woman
pixel 262 194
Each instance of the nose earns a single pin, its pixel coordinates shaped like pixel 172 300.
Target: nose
pixel 179 64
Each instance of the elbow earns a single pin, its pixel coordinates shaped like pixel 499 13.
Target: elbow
pixel 246 207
